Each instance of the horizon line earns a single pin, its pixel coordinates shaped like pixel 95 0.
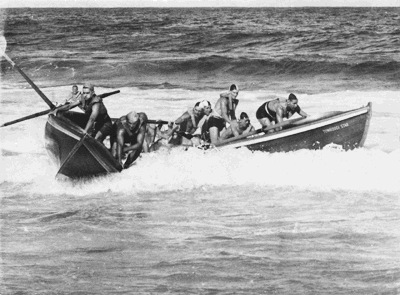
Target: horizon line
pixel 161 7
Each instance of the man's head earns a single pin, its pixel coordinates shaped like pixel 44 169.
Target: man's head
pixel 206 106
pixel 234 89
pixel 292 101
pixel 244 121
pixel 74 89
pixel 87 90
pixel 198 110
pixel 132 119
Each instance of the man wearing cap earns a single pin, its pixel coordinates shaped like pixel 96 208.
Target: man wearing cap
pixel 128 136
pixel 274 111
pixel 243 127
pixel 99 122
pixel 187 124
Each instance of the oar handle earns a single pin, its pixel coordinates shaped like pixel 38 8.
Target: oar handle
pixel 108 94
pixel 157 122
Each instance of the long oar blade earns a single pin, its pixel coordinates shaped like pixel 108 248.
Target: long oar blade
pixel 3 45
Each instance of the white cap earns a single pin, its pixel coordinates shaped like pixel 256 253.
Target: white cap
pixel 204 103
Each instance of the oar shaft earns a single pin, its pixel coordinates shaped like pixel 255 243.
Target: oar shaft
pixel 108 94
pixel 48 111
pixel 26 118
pixel 157 122
pixel 38 91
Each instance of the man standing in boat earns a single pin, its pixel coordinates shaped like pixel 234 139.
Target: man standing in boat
pixel 273 111
pixel 224 111
pixel 99 122
pixel 74 96
pixel 128 136
pixel 223 114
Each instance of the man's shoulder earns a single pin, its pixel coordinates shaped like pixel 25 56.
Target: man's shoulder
pixel 186 115
pixel 96 99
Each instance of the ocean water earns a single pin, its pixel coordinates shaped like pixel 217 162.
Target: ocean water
pixel 195 222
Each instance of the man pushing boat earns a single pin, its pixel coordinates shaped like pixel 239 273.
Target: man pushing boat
pixel 273 111
pixel 128 136
pixel 99 122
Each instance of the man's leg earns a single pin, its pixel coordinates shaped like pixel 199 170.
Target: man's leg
pixel 131 158
pixel 265 122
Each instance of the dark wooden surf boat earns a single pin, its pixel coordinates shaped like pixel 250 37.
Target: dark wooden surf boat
pixel 75 152
pixel 79 155
pixel 347 130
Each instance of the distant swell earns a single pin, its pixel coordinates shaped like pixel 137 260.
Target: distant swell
pixel 211 71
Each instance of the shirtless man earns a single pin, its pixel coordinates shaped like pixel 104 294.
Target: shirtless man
pixel 224 111
pixel 186 123
pixel 128 136
pixel 273 111
pixel 99 122
pixel 74 96
pixel 243 127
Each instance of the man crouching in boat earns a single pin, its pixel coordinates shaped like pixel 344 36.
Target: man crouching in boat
pixel 185 125
pixel 273 111
pixel 99 122
pixel 128 136
pixel 181 130
pixel 243 127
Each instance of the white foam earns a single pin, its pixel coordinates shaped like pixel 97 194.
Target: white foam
pixel 374 167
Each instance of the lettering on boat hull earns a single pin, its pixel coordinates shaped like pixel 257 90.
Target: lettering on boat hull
pixel 335 128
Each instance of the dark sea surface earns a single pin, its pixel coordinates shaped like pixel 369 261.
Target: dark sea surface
pixel 196 48
pixel 195 222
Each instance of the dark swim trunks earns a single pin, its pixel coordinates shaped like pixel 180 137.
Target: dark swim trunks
pixel 104 126
pixel 105 129
pixel 262 112
pixel 271 115
pixel 216 122
pixel 211 122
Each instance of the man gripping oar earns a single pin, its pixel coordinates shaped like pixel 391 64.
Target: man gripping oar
pixel 99 122
pixel 35 115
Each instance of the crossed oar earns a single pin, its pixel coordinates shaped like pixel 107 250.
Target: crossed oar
pixel 3 45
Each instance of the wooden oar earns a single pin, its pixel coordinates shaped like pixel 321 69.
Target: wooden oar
pixel 48 111
pixel 158 122
pixel 285 123
pixel 148 121
pixel 3 45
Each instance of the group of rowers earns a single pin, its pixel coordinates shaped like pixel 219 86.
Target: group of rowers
pixel 200 125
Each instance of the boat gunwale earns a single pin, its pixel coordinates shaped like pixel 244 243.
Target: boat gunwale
pixel 254 139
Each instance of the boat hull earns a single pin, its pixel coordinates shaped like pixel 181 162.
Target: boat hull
pixel 347 130
pixel 75 152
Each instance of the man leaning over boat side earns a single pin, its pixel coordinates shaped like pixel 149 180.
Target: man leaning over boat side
pixel 243 127
pixel 274 111
pixel 225 107
pixel 99 122
pixel 187 124
pixel 128 136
